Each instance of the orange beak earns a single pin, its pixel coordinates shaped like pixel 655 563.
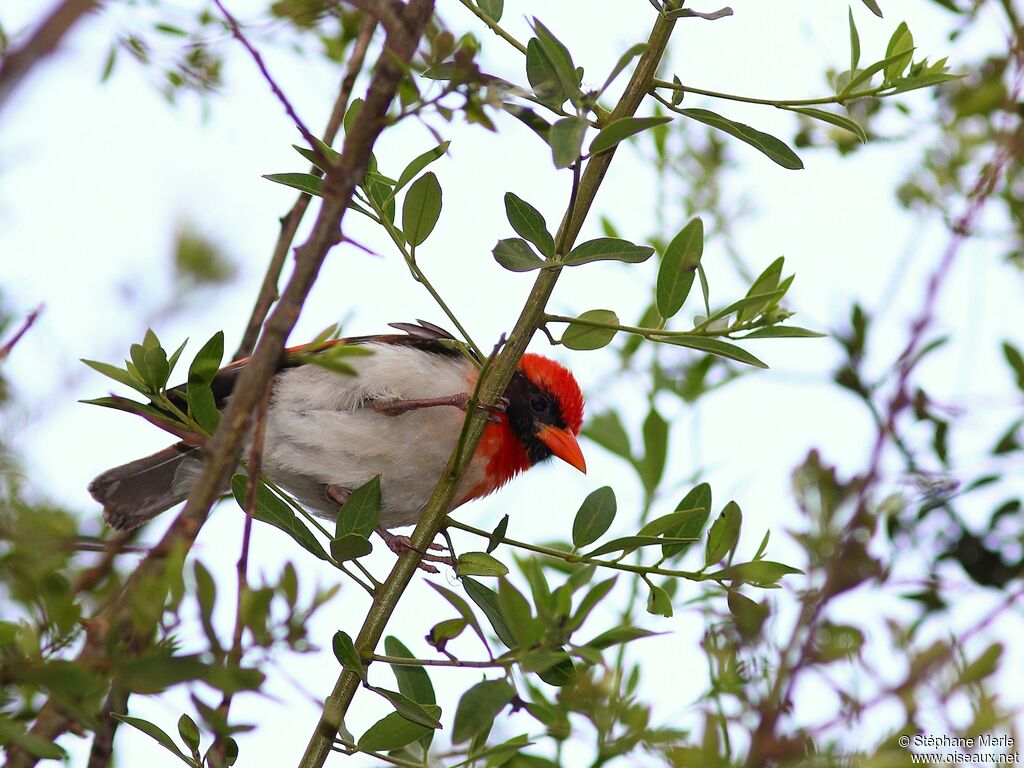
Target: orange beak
pixel 562 443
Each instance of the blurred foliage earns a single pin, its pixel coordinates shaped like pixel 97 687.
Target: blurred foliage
pixel 560 626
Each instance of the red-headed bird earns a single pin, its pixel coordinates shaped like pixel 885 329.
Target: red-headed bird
pixel 399 417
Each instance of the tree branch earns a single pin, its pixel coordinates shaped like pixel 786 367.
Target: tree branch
pixel 44 41
pixel 225 446
pixel 494 381
pixel 290 221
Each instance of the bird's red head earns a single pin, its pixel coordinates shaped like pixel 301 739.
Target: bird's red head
pixel 555 379
pixel 543 417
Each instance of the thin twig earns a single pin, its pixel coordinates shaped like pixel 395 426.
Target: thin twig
pixel 5 350
pixel 494 381
pixel 290 221
pixel 236 30
pixel 764 741
pixel 255 467
pixel 102 750
pixel 225 446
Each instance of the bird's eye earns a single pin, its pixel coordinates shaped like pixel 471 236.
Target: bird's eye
pixel 538 404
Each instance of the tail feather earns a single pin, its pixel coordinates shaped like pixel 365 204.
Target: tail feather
pixel 140 490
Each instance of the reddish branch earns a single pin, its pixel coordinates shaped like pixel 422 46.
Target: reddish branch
pixel 17 63
pixel 766 744
pixel 290 221
pixel 5 350
pixel 225 446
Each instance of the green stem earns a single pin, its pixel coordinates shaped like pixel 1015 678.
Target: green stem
pixel 570 557
pixel 417 273
pixel 780 103
pixel 401 661
pixel 493 384
pixel 494 26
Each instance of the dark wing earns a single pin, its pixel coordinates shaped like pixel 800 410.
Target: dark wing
pixel 421 335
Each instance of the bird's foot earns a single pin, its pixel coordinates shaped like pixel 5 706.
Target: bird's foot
pixel 337 494
pixel 402 544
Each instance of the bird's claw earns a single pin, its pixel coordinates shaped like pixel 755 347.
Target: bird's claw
pixel 402 544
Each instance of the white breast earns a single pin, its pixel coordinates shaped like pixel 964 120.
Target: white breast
pixel 321 430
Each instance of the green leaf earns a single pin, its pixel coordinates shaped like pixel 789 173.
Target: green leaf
pixel 655 432
pixel 202 406
pixel 346 654
pixel 830 117
pixel 607 249
pixel 765 284
pixel 426 716
pixel 621 64
pixel 623 128
pixel 421 209
pixel 542 76
pixel 759 573
pixel 352 114
pixel 596 594
pixel 189 732
pixel 594 517
pixel 749 614
pixel 492 8
pixel 156 672
pixel 606 430
pixel 854 43
pixel 724 534
pixel 478 708
pixel 155 733
pixel 618 636
pixel 515 610
pixel 658 601
pixel 529 118
pixel 463 608
pixel 628 544
pixel 326 152
pixel 924 81
pixel 350 546
pixel 413 682
pixel 865 75
pixel 118 374
pixel 587 337
pixel 12 732
pixel 444 631
pixel 698 504
pixel 479 564
pixel 559 58
pixel 516 255
pixel 901 51
pixel 497 534
pixel 360 513
pixel 776 149
pixel 271 509
pixel 566 140
pixel 984 666
pixel 675 276
pixel 528 222
pixel 393 731
pixel 783 332
pixel 873 7
pixel 304 182
pixel 1015 360
pixel 413 169
pixel 712 346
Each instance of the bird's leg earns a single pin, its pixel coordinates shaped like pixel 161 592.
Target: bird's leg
pixel 337 494
pixel 402 544
pixel 396 406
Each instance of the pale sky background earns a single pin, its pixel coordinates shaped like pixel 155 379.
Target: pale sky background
pixel 95 179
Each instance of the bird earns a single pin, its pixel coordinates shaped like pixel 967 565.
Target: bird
pixel 397 416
